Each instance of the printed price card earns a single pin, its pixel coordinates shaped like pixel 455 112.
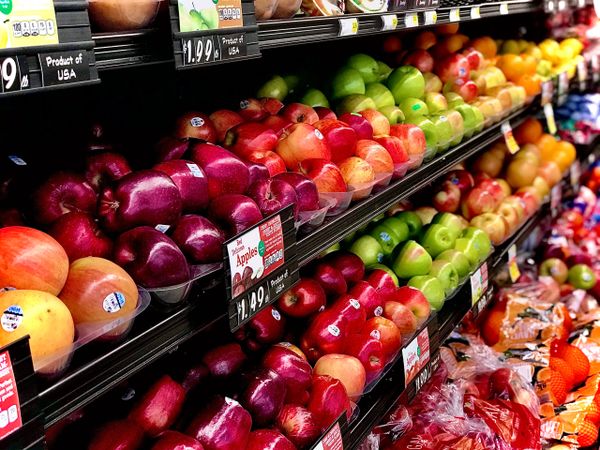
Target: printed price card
pixel 511 143
pixel 513 267
pixel 430 17
pixel 10 407
pixel 390 22
pixel 550 122
pixel 475 12
pixel 348 27
pixel 455 15
pixel 209 15
pixel 415 356
pixel 479 283
pixel 411 20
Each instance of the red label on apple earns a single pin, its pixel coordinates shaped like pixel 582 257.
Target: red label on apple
pixel 332 439
pixel 415 356
pixel 10 408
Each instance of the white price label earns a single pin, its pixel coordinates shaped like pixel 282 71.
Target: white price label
pixel 479 283
pixel 562 4
pixel 549 113
pixel 430 17
pixel 390 22
pixel 411 20
pixel 582 71
pixel 563 83
pixel 550 6
pixel 581 3
pixel 455 15
pixel 475 12
pixel 509 138
pixel 503 8
pixel 348 27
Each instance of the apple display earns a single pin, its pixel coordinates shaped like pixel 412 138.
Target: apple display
pixel 380 94
pixel 340 138
pixel 367 297
pixel 249 137
pixel 325 174
pixel 356 172
pixel 419 58
pixel 379 122
pixel 325 334
pixel 355 104
pixel 350 265
pixel 406 82
pixel 169 148
pixel 480 239
pixel 199 239
pixel 476 202
pixel 306 191
pixel 412 221
pixel 393 113
pixel 555 268
pixel 325 113
pixel 361 126
pixel 299 113
pixel 253 110
pixel 387 333
pixel 413 108
pixel 263 439
pixel 453 67
pixel 347 81
pixel 376 155
pixel 387 238
pixel 295 371
pixel 315 98
pixel 354 312
pixel 447 197
pixel 369 351
pixel 459 261
pixel 195 125
pixel 436 239
pixel 263 396
pixel 415 301
pixel 273 195
pixel 330 279
pixel 366 66
pixel 385 282
pixel 328 400
pixel 428 128
pixel 368 250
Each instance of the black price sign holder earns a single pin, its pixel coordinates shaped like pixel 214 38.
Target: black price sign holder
pixel 266 266
pixel 70 63
pixel 22 422
pixel 208 47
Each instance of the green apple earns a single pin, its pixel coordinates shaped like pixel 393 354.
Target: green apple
pixel 368 249
pixel 366 65
pixel 412 221
pixel 386 237
pixel 480 119
pixel 393 114
pixel 446 273
pixel 387 269
pixel 467 247
pixel 347 81
pixel 384 71
pixel 480 239
pixel 581 276
pixel 410 260
pixel 400 227
pixel 432 289
pixel 453 99
pixel 292 82
pixel 432 82
pixel 276 87
pixel 406 82
pixel 380 95
pixel 436 238
pixel 445 134
pixel 458 126
pixel 314 97
pixel 470 118
pixel 450 221
pixel 428 129
pixel 436 102
pixel 459 261
pixel 354 103
pixel 413 107
pixel 333 248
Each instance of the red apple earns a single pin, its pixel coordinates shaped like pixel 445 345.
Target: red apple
pixel 252 109
pixel 368 297
pixel 468 90
pixel 356 172
pixel 174 440
pixel 447 197
pixel 306 190
pixel 494 226
pixel 395 148
pixel 300 113
pixel 60 194
pixel 199 239
pixel 328 400
pixel 160 406
pixel 462 179
pixel 376 155
pixel 453 67
pixel 221 425
pixel 345 368
pixel 227 174
pixel 195 376
pixel 119 434
pixel 151 258
pixel 266 327
pixel 412 137
pixel 299 425
pixel 380 123
pixel 362 127
pixel 296 372
pixel 191 181
pixel 384 284
pixel 104 168
pixel 325 113
pixel 510 214
pixel 224 120
pixel 531 201
pixel 257 172
pixel 271 160
pixel 277 124
pixel 325 174
pixel 268 439
pixel 402 317
pixel 494 188
pixel 235 213
pixel 273 195
pixel 271 105
pixel 387 332
pixel 264 396
pixel 326 333
pixel 349 264
pixel 351 310
pixel 225 360
pixel 80 236
pixel 369 352
pixel 421 59
pixel 305 298
pixel 415 301
pixel 249 137
pixel 169 148
pixel 195 125
pixel 302 142
pixel 331 279
pixel 477 201
pixel 340 138
pixel 474 57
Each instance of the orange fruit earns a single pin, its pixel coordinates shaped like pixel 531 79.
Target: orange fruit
pixel 490 328
pixel 529 63
pixel 593 413
pixel 579 363
pixel 568 149
pixel 558 388
pixel 425 40
pixel 486 45
pixel 531 83
pixel 588 434
pixel 529 132
pixel 563 368
pixel 547 145
pixel 512 66
pixel 448 28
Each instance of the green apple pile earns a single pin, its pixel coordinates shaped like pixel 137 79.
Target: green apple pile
pixel 433 258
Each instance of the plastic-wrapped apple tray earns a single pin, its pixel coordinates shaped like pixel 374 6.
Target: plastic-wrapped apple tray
pixel 173 295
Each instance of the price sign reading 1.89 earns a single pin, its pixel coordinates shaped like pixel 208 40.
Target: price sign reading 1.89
pixel 200 50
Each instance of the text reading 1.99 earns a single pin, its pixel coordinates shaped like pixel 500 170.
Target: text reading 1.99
pixel 201 50
pixel 11 75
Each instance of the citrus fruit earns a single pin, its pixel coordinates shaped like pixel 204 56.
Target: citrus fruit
pixel 529 132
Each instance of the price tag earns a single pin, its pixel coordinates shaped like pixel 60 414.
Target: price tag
pixel 260 266
pixel 411 20
pixel 430 17
pixel 64 67
pixel 503 8
pixel 555 199
pixel 199 50
pixel 562 4
pixel 575 174
pixel 563 83
pixel 549 113
pixel 484 301
pixel 513 267
pixel 220 15
pixel 390 22
pixel 475 12
pixel 511 143
pixel 582 74
pixel 348 27
pixel 332 440
pixel 547 91
pixel 415 356
pixel 455 15
pixel 426 373
pixel 550 6
pixel 479 283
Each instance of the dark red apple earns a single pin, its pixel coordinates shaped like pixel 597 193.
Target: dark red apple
pixel 235 213
pixel 268 439
pixel 225 360
pixel 145 197
pixel 194 377
pixel 252 109
pixel 328 400
pixel 349 264
pixel 195 125
pixel 266 327
pixel 118 435
pixel 199 239
pixel 169 148
pixel 295 371
pixel 395 148
pixel 325 113
pixel 306 190
pixel 326 334
pixel 362 127
pixel 257 172
pixel 264 396
pixel 191 181
pixel 63 193
pixel 369 352
pixel 298 424
pixel 224 120
pixel 271 105
pixel 174 440
pixel 277 124
pixel 325 174
pixel 340 138
pixel 80 236
pixel 331 279
pixel 104 168
pixel 160 406
pixel 249 137
pixel 351 310
pixel 419 58
pixel 305 298
pixel 299 113
pixel 447 197
pixel 227 174
pixel 383 283
pixel 223 424
pixel 273 195
pixel 151 258
pixel 271 160
pixel 368 297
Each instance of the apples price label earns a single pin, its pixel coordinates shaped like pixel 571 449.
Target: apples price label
pixel 389 22
pixel 509 139
pixel 430 17
pixel 455 15
pixel 411 20
pixel 479 283
pixel 415 356
pixel 513 267
pixel 348 27
pixel 426 373
pixel 549 114
pixel 475 12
